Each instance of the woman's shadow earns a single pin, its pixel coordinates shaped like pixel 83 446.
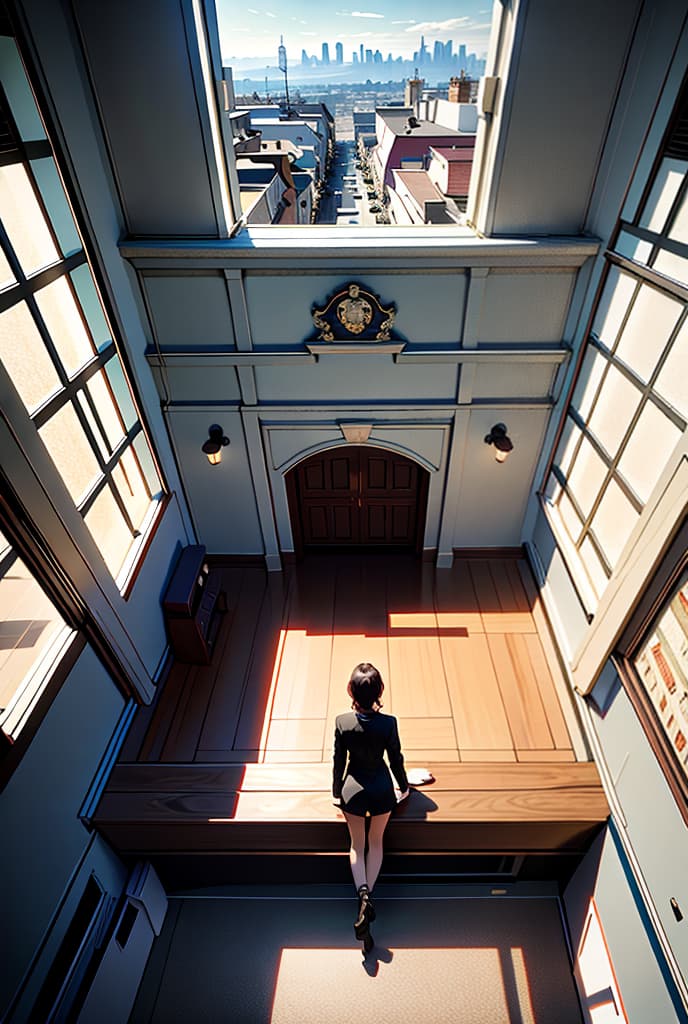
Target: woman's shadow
pixel 372 960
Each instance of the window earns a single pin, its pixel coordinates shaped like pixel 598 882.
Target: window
pixel 55 340
pixel 653 663
pixel 629 408
pixel 32 636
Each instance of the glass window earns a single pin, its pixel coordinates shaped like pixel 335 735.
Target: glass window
pixel 23 220
pixel 6 275
pixel 90 303
pixel 109 530
pixel 663 194
pixel 672 379
pixel 131 486
pixel 653 439
pixel 108 412
pixel 612 308
pixel 586 477
pixel 65 325
pixel 613 522
pixel 651 322
pixel 26 358
pixel 594 365
pixel 661 665
pixel 55 200
pixel 29 624
pixel 18 92
pixel 614 410
pixel 69 449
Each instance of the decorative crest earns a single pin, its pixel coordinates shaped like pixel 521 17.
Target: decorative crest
pixel 354 313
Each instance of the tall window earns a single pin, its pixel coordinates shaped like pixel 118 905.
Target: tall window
pixel 630 405
pixel 55 340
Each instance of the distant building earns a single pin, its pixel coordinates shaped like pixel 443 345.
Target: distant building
pixel 404 140
pixel 339 51
pixel 325 54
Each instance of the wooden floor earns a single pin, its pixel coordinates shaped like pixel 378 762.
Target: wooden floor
pixel 236 756
pixel 464 665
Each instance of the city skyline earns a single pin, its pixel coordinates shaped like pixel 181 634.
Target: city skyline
pixel 391 26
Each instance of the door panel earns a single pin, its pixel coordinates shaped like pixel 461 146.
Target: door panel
pixel 357 496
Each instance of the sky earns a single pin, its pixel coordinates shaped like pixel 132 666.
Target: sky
pixel 389 25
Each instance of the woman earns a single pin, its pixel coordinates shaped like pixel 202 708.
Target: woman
pixel 362 786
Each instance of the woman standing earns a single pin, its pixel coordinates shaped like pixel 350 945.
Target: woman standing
pixel 361 783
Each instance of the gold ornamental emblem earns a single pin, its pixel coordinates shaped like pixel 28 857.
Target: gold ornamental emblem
pixel 354 313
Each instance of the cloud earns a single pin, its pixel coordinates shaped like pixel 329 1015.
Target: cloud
pixel 251 11
pixel 269 14
pixel 449 25
pixel 365 14
pixel 407 21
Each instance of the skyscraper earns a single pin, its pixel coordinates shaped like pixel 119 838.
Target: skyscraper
pixel 325 54
pixel 339 50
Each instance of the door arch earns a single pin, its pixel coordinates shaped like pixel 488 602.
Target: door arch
pixel 357 496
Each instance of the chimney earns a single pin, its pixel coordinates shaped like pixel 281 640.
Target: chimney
pixel 459 89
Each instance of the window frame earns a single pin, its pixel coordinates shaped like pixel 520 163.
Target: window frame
pixel 25 289
pixel 658 591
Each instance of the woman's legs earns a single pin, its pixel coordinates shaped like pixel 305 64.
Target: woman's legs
pixel 357 852
pixel 373 862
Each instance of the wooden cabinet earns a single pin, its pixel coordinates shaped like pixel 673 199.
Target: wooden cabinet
pixel 193 605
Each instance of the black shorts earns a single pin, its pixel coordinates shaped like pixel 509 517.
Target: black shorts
pixel 369 794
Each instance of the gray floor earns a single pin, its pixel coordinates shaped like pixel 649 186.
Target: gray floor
pixel 265 957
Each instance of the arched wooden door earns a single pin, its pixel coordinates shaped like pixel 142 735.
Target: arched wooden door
pixel 357 496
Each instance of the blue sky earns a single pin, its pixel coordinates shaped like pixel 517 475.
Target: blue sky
pixel 390 25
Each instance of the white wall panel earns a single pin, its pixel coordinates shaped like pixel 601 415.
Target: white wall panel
pixel 190 311
pixel 524 307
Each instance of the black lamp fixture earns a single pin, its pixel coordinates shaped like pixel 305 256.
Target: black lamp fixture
pixel 214 445
pixel 501 441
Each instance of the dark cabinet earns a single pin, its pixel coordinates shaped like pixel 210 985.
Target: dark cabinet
pixel 193 605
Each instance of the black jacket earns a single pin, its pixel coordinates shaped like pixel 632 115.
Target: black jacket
pixel 365 737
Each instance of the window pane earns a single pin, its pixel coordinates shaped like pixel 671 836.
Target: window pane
pixel 672 380
pixel 6 276
pixel 671 265
pixel 48 181
pixel 569 518
pixel 63 320
pixel 647 452
pixel 90 303
pixel 664 191
pixel 24 221
pixel 19 95
pixel 633 248
pixel 613 522
pixel 107 410
pixel 616 297
pixel 594 364
pixel 146 462
pixel 679 226
pixel 614 410
pixel 131 487
pixel 593 566
pixel 662 666
pixel 70 451
pixel 28 624
pixel 110 532
pixel 570 436
pixel 120 389
pixel 25 357
pixel 586 477
pixel 648 328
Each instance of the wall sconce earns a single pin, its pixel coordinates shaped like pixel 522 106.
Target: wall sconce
pixel 214 445
pixel 501 441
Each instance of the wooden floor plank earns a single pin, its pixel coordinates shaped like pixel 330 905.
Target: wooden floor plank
pixel 484 585
pixel 507 582
pixel 246 598
pixel 490 754
pixel 477 705
pixel 255 710
pixel 296 734
pixel 508 622
pixel 426 733
pixel 550 700
pixel 456 602
pixel 165 710
pixel 527 718
pixel 546 755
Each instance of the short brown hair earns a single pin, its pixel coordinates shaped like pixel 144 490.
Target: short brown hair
pixel 365 687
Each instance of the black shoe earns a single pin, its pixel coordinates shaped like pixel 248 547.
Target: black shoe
pixel 363 918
